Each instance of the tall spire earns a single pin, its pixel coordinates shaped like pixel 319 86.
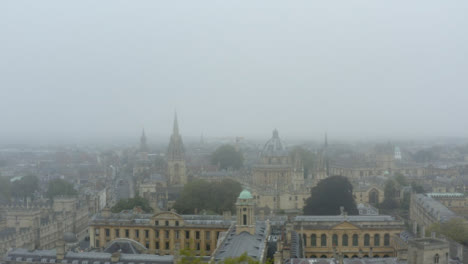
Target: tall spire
pixel 143 144
pixel 176 147
pixel 175 129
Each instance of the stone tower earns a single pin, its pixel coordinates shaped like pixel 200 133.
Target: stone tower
pixel 176 168
pixel 245 213
pixel 428 251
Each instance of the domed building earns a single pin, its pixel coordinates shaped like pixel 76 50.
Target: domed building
pixel 278 179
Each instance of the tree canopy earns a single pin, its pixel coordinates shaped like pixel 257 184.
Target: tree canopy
pixel 5 189
pixel 211 196
pixel 390 193
pixel 227 157
pixel 60 187
pixel 25 187
pixel 329 195
pixel 190 257
pixel 129 204
pixel 455 228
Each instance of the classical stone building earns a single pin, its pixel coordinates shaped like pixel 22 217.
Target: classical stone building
pixel 424 211
pixel 351 236
pixel 162 233
pixel 278 179
pixel 176 165
pixel 428 251
pixel 456 202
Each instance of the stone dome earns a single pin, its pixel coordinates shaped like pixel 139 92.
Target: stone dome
pixel 70 237
pixel 245 195
pixel 274 146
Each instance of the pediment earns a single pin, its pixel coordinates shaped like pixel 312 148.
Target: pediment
pixel 345 226
pixel 167 216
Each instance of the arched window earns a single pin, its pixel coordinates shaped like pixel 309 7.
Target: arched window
pixel 436 259
pixel 313 240
pixel 374 197
pixel 386 240
pixel 323 240
pixel 304 238
pixel 366 240
pixel 376 240
pixel 355 240
pixel 344 240
pixel 335 240
pixel 245 220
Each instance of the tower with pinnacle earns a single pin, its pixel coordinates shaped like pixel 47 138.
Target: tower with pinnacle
pixel 176 167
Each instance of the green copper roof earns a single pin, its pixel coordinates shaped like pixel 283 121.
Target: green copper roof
pixel 245 195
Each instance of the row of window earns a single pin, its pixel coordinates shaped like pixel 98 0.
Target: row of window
pixel 166 245
pixel 147 233
pixel 166 223
pixel 345 240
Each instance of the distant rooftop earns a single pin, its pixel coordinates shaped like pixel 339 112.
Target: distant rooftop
pixel 435 208
pixel 445 195
pixel 342 218
pixel 237 244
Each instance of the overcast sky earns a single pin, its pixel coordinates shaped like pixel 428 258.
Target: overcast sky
pixel 105 69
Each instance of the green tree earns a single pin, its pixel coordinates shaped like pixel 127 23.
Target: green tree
pixel 190 257
pixel 129 204
pixel 401 179
pixel 211 196
pixel 417 188
pixel 329 195
pixel 5 189
pixel 227 157
pixel 25 187
pixel 60 187
pixel 455 228
pixel 390 192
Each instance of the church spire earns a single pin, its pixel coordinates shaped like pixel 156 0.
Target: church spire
pixel 176 146
pixel 175 129
pixel 143 144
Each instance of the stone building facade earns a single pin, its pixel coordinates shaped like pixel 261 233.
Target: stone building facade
pixel 41 226
pixel 424 211
pixel 163 233
pixel 277 179
pixel 351 236
pixel 368 194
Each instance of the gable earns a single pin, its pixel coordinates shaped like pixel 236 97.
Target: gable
pixel 345 226
pixel 167 216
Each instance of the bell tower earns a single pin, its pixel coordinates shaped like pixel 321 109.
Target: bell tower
pixel 245 207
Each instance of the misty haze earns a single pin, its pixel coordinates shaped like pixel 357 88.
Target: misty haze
pixel 273 132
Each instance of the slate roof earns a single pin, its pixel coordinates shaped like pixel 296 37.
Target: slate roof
pixel 435 208
pixel 237 244
pixel 343 218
